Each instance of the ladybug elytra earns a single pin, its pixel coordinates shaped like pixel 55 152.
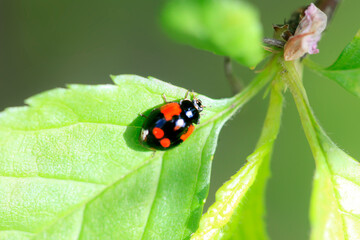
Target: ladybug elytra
pixel 171 124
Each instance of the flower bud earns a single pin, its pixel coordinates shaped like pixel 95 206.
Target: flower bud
pixel 307 34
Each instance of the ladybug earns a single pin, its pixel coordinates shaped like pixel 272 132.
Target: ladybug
pixel 170 124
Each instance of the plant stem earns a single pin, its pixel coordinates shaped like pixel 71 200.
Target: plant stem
pixel 235 83
pixel 272 121
pixel 237 101
pixel 266 75
pixel 292 77
pixel 274 42
pixel 328 7
pixel 248 183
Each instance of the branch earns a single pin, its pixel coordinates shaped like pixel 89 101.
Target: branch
pixel 328 7
pixel 274 42
pixel 235 83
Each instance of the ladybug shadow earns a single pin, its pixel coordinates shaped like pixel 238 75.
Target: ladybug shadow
pixel 132 132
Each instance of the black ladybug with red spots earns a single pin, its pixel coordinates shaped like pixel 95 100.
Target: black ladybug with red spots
pixel 171 124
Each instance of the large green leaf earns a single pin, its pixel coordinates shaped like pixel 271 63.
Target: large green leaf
pixel 229 27
pixel 239 208
pixel 346 69
pixel 71 166
pixel 335 206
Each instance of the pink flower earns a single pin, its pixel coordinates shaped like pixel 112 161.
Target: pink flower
pixel 307 34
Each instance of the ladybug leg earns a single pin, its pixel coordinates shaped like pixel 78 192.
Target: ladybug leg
pixel 142 115
pixel 153 153
pixel 164 97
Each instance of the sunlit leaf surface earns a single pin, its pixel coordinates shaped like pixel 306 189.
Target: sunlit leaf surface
pixel 335 211
pixel 71 166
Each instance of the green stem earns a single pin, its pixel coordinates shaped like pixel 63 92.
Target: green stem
pixel 326 217
pixel 292 77
pixel 273 117
pixel 249 182
pixel 257 84
pixel 237 101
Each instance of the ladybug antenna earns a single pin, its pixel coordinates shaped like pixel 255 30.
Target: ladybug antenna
pixel 187 94
pixel 193 95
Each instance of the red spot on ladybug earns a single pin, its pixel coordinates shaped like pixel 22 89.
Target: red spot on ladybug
pixel 165 142
pixel 158 133
pixel 169 110
pixel 188 133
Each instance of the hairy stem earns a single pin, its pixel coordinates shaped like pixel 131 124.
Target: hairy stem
pixel 293 78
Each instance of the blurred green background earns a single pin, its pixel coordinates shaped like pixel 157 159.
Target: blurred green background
pixel 47 44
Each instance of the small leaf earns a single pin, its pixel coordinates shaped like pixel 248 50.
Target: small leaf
pixel 346 69
pixel 71 166
pixel 230 28
pixel 335 206
pixel 239 208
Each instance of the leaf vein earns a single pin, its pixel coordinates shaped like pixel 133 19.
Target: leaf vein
pixel 93 198
pixel 153 200
pixel 51 178
pixel 197 176
pixel 70 125
pixel 81 223
pixel 148 161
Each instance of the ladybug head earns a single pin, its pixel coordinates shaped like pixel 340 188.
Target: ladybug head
pixel 191 109
pixel 198 104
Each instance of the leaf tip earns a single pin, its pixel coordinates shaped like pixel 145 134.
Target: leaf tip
pixel 357 35
pixel 112 77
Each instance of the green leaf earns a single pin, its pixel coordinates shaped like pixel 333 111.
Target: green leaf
pixel 229 27
pixel 335 205
pixel 346 69
pixel 239 208
pixel 71 166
